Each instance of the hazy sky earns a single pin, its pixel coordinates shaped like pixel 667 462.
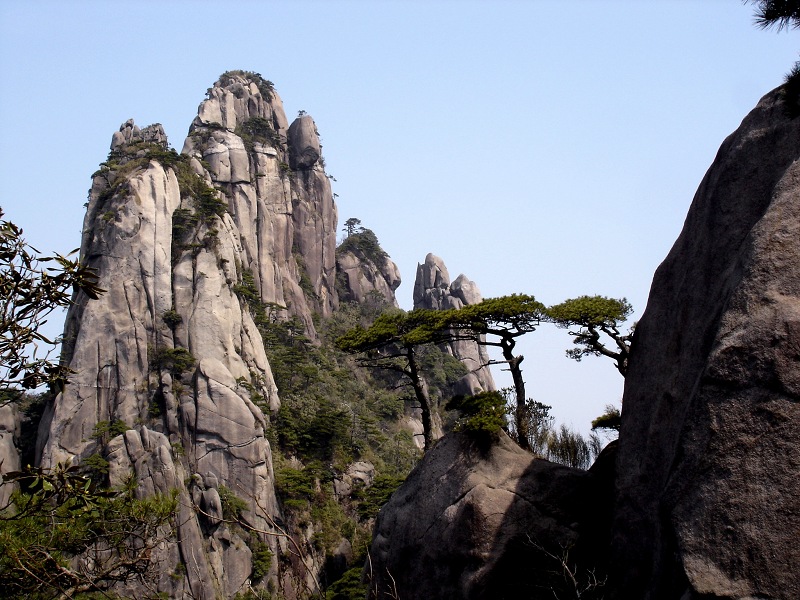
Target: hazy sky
pixel 549 148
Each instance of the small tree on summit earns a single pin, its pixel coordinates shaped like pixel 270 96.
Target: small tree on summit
pixel 351 226
pixel 784 14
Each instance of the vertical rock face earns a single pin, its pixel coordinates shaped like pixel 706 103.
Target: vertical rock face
pixel 278 194
pixel 171 349
pixel 433 290
pixel 708 468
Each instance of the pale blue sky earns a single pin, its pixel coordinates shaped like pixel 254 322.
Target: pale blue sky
pixel 549 148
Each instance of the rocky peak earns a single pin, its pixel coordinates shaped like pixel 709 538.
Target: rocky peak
pixel 432 284
pixel 284 213
pixel 304 147
pixel 184 244
pixel 129 134
pixel 364 270
pixel 433 291
pixel 237 97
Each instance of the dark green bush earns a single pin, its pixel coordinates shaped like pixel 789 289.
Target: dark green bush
pixel 371 499
pixel 172 318
pixel 174 360
pixel 481 414
pixel 366 243
pixel 262 559
pixel 232 505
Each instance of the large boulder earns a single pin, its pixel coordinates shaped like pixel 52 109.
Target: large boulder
pixel 709 470
pixel 480 519
pixel 361 277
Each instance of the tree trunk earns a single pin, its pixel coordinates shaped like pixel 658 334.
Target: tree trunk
pixel 421 393
pixel 521 417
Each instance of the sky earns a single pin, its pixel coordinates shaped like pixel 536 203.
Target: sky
pixel 539 147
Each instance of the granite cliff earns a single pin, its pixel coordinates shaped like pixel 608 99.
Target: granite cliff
pixel 189 247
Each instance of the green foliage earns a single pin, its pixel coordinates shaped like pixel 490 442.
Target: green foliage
pixel 232 505
pixel 371 499
pixel 539 422
pixel 441 369
pixel 59 514
pixel 96 465
pixel 31 288
pixel 363 242
pixel 590 310
pixel 348 587
pixel 105 431
pixel 483 414
pixel 610 419
pixel 295 487
pixel 258 130
pixel 568 447
pixel 262 559
pixel 174 360
pixel 791 91
pixel 784 14
pixel 332 524
pixel 589 319
pixel 351 226
pixel 172 318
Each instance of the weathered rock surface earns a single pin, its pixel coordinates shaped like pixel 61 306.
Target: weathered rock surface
pixel 478 520
pixel 360 277
pixel 709 470
pixel 284 216
pixel 433 291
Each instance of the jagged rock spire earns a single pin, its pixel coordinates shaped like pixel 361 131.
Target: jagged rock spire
pixel 433 290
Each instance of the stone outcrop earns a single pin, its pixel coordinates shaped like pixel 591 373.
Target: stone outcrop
pixel 709 475
pixel 434 291
pixel 363 278
pixel 171 348
pixel 486 520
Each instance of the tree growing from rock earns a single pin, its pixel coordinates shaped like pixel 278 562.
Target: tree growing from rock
pixel 351 226
pixel 594 322
pixel 499 322
pixel 393 342
pixel 783 14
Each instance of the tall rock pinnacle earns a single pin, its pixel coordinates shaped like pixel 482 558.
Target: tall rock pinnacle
pixel 184 244
pixel 433 290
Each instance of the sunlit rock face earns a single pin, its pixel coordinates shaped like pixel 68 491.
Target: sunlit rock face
pixel 363 279
pixel 171 349
pixel 709 474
